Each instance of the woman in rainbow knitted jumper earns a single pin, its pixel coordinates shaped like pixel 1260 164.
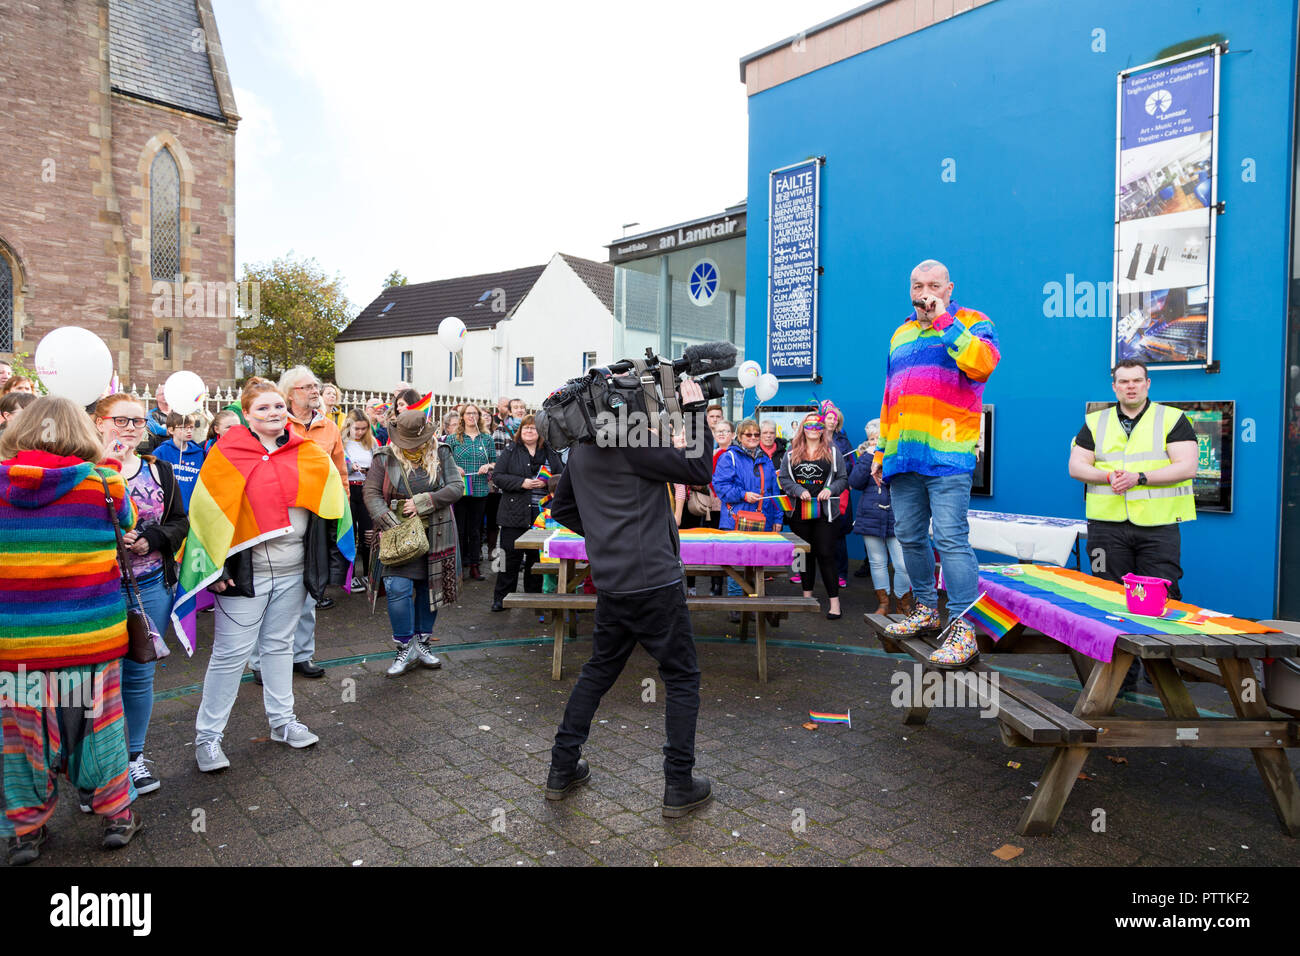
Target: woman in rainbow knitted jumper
pixel 62 626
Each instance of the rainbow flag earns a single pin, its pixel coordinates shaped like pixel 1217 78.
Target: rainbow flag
pixel 820 718
pixel 423 405
pixel 545 473
pixel 990 616
pixel 224 520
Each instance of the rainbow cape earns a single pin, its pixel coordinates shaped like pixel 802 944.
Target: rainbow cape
pixel 990 616
pixel 224 520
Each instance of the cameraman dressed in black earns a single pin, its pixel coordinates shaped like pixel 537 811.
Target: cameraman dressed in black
pixel 620 499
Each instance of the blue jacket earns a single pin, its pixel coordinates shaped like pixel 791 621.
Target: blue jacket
pixel 874 516
pixel 185 464
pixel 734 475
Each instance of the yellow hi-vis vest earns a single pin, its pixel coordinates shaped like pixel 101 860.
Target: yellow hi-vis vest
pixel 1144 450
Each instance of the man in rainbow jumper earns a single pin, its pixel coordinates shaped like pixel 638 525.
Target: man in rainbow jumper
pixel 939 360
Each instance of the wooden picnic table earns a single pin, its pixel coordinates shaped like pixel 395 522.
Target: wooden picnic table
pixel 573 571
pixel 1172 661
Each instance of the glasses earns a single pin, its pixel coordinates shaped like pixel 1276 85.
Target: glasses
pixel 121 421
pixel 307 388
pixel 813 426
pixel 749 434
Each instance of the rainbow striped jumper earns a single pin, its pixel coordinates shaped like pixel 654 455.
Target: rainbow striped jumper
pixel 61 601
pixel 934 388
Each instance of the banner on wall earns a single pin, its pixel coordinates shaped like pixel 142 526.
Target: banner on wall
pixel 793 265
pixel 1166 197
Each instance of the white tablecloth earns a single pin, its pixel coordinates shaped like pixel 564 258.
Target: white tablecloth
pixel 1026 537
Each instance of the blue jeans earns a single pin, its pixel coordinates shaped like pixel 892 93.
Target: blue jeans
pixel 879 553
pixel 916 499
pixel 408 608
pixel 137 679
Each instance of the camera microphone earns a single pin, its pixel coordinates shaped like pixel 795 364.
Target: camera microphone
pixel 706 358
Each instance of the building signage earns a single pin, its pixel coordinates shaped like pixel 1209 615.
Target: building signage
pixel 1165 208
pixel 793 258
pixel 714 229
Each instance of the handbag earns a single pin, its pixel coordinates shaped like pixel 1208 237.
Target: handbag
pixel 144 643
pixel 702 503
pixel 753 520
pixel 406 542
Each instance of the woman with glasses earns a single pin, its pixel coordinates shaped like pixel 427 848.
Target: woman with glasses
pixel 475 453
pixel 151 547
pixel 359 445
pixel 813 475
pixel 745 480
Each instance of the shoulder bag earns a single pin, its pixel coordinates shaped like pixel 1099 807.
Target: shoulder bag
pixel 144 643
pixel 753 520
pixel 407 541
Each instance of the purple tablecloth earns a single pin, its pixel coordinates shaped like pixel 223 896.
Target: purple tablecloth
pixel 734 549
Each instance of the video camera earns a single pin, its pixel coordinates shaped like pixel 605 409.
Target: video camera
pixel 607 401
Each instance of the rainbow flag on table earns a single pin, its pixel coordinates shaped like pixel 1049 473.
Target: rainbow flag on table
pixel 225 520
pixel 820 718
pixel 990 616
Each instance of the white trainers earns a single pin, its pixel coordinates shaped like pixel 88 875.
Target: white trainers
pixel 210 756
pixel 144 781
pixel 295 734
pixel 404 660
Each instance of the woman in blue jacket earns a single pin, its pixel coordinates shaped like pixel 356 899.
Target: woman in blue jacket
pixel 874 520
pixel 745 480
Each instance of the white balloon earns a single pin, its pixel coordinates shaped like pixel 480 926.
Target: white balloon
pixel 75 363
pixel 749 373
pixel 767 387
pixel 451 331
pixel 184 392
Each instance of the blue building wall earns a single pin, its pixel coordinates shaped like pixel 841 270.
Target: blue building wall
pixel 1015 95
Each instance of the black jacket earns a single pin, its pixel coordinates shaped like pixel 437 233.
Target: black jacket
pixel 167 537
pixel 621 500
pixel 509 474
pixel 319 545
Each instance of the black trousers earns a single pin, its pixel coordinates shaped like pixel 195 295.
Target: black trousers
pixel 659 622
pixel 361 523
pixel 821 536
pixel 469 527
pixel 507 580
pixel 1117 548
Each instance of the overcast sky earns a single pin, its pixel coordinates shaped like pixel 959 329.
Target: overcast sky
pixel 452 139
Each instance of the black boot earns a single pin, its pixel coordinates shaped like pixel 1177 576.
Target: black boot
pixel 681 799
pixel 560 782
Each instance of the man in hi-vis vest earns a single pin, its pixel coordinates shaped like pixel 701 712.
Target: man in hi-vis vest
pixel 1137 460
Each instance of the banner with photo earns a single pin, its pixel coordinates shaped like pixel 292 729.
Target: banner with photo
pixel 1162 299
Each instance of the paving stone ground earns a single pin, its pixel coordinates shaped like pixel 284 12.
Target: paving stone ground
pixel 448 767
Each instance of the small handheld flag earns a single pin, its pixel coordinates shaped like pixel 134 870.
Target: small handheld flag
pixel 423 405
pixel 820 718
pixel 990 617
pixel 544 473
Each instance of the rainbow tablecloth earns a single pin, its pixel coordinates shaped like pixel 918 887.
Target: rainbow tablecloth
pixel 1089 614
pixel 699 546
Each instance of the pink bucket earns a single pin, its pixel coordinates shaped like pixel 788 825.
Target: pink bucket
pixel 1146 595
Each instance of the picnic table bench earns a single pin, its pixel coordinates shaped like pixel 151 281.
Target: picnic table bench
pixel 571 571
pixel 1172 660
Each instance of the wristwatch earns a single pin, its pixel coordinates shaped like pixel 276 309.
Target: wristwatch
pixel 1142 477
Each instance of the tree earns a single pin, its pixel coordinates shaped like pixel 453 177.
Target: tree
pixel 301 311
pixel 394 278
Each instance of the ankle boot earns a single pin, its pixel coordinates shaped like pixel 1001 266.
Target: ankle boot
pixel 473 573
pixel 906 603
pixel 882 599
